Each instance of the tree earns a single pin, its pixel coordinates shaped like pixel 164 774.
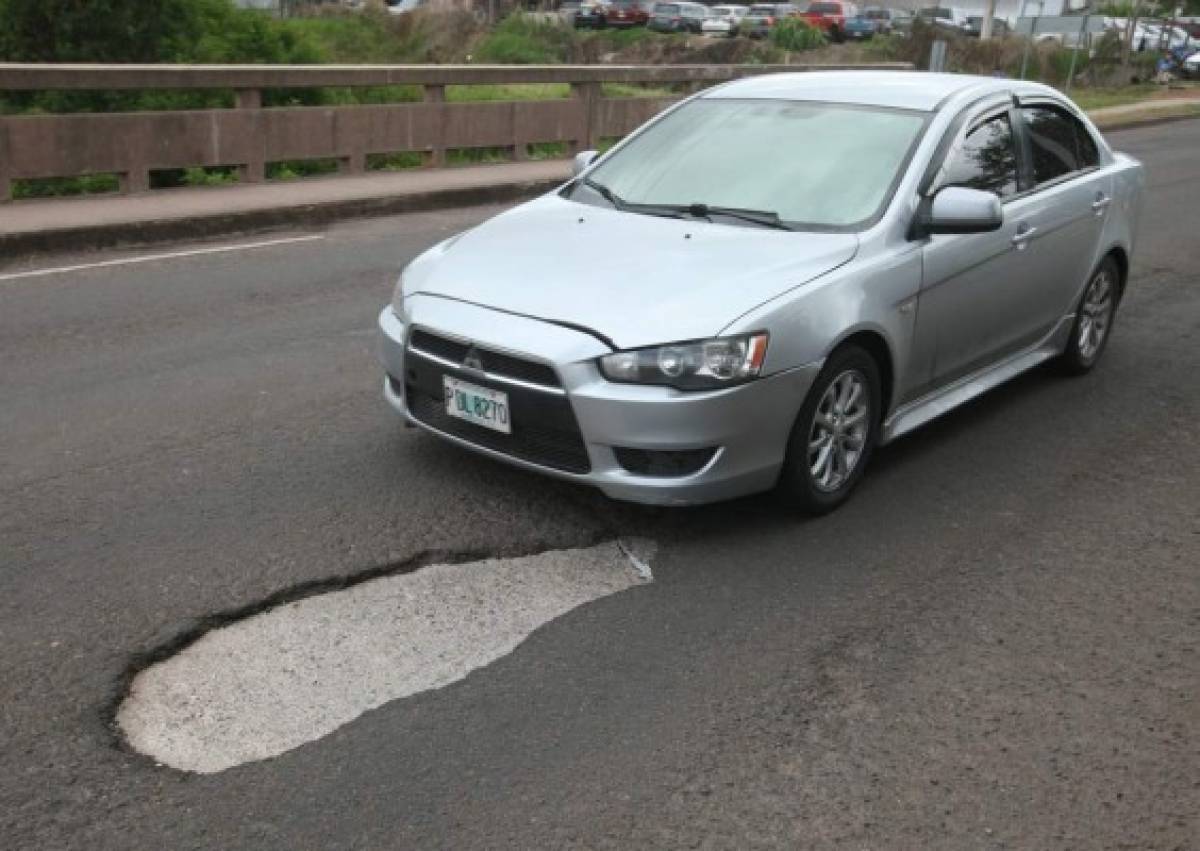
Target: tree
pixel 144 31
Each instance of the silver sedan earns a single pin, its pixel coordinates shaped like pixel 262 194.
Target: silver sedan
pixel 767 281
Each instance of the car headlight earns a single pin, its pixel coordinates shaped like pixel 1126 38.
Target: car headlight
pixel 696 365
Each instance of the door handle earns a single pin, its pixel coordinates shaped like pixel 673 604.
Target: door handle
pixel 1101 203
pixel 1023 235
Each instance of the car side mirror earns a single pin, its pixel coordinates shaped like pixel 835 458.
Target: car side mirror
pixel 958 209
pixel 583 160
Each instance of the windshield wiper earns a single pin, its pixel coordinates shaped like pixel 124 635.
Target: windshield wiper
pixel 766 218
pixel 624 206
pixel 605 193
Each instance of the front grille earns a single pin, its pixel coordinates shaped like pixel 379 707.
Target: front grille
pixel 654 462
pixel 544 429
pixel 492 361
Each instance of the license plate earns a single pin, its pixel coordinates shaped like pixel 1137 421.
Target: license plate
pixel 480 405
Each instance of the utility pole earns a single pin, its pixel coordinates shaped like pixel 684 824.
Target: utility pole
pixel 985 29
pixel 1130 29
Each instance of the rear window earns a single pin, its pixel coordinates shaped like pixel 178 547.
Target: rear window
pixel 761 10
pixel 667 9
pixel 825 8
pixel 877 14
pixel 1060 143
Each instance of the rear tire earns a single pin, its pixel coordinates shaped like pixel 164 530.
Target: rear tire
pixel 834 434
pixel 1094 317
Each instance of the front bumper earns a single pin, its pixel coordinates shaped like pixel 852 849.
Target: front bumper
pixel 748 425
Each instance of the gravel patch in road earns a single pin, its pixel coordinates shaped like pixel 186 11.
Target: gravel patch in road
pixel 265 685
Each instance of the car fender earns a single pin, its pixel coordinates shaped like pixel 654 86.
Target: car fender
pixel 875 294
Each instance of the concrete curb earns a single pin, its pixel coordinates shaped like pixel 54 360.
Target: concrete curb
pixel 1148 121
pixel 149 232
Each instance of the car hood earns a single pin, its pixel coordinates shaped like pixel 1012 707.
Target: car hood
pixel 633 279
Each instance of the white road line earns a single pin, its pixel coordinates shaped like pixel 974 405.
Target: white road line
pixel 262 686
pixel 170 255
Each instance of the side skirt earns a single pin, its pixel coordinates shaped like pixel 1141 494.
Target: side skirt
pixel 918 412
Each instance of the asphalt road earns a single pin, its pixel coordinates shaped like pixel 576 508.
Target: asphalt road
pixel 994 645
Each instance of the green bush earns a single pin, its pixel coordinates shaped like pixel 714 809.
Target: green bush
pixel 146 31
pixel 521 40
pixel 795 35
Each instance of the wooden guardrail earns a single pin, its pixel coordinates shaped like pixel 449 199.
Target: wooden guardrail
pixel 249 135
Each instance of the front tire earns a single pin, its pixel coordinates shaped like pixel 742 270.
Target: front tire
pixel 1093 320
pixel 834 434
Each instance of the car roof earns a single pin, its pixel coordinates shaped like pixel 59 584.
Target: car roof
pixel 897 89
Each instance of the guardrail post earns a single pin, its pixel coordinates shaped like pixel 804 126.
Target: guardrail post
pixel 255 171
pixel 5 175
pixel 590 94
pixel 133 181
pixel 520 147
pixel 437 155
pixel 248 98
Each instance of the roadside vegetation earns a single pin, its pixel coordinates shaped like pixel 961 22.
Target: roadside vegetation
pixel 215 31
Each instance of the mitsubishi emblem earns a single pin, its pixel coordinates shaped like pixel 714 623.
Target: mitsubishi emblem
pixel 471 360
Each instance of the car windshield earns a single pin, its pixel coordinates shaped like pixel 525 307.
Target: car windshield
pixel 936 13
pixel 762 10
pixel 666 8
pixel 825 8
pixel 816 166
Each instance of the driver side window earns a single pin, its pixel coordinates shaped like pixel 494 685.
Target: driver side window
pixel 986 160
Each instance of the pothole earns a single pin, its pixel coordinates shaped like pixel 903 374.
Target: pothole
pixel 261 686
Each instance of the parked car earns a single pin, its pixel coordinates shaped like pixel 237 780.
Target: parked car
pixel 629 13
pixel 830 16
pixel 1190 68
pixel 975 26
pixel 901 21
pixel 591 16
pixel 724 20
pixel 858 28
pixel 945 17
pixel 761 19
pixel 567 10
pixel 401 7
pixel 882 18
pixel 911 241
pixel 678 17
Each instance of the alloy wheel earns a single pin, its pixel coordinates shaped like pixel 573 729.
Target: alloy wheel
pixel 839 430
pixel 1095 314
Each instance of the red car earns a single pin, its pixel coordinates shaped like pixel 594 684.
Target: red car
pixel 829 16
pixel 629 13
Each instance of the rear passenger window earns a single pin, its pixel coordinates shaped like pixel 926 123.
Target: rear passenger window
pixel 1059 142
pixel 987 159
pixel 1089 154
pixel 1052 139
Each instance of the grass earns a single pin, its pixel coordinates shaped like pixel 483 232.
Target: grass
pixel 196 176
pixel 548 150
pixel 397 161
pixel 478 156
pixel 511 91
pixel 296 169
pixel 64 187
pixel 1089 99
